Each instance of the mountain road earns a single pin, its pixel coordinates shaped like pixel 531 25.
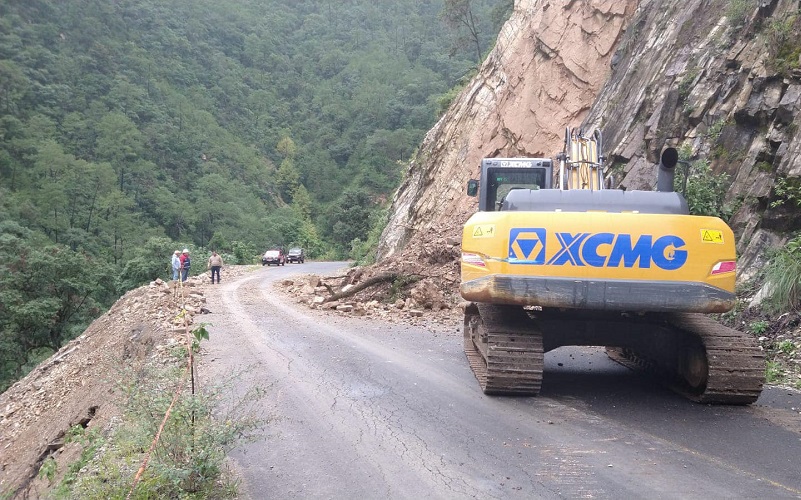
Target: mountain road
pixel 363 408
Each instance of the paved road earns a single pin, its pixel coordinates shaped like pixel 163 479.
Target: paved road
pixel 363 409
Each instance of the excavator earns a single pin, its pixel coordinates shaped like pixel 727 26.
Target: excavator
pixel 555 257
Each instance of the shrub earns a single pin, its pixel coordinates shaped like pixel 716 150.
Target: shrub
pixel 787 190
pixel 244 253
pixel 737 11
pixel 705 191
pixel 759 327
pixel 364 252
pixel 783 274
pixel 188 461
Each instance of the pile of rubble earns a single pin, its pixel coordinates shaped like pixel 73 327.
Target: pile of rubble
pixel 391 293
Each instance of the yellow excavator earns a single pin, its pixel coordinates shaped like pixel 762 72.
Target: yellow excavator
pixel 555 258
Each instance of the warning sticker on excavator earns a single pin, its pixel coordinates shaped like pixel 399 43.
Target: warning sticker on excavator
pixel 712 236
pixel 484 231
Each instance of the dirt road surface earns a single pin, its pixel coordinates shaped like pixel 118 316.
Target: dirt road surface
pixel 364 409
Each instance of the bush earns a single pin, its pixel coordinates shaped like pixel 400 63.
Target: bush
pixel 737 11
pixel 364 252
pixel 244 253
pixel 783 276
pixel 787 190
pixel 705 191
pixel 188 461
pixel 149 262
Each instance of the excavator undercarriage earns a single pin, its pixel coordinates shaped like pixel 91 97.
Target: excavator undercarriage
pixel 692 354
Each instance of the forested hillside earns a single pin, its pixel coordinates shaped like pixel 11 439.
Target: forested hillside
pixel 135 127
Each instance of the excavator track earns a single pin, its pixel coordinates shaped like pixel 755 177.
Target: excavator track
pixel 706 362
pixel 504 349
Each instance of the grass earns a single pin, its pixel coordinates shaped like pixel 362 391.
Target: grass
pixel 189 460
pixel 783 273
pixel 774 372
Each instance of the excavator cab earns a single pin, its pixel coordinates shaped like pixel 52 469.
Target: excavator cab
pixel 499 176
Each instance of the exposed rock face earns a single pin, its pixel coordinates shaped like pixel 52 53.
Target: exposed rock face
pixel 685 75
pixel 551 59
pixel 648 74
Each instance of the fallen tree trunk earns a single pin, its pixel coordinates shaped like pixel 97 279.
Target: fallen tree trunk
pixel 374 280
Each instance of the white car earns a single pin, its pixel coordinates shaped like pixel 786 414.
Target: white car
pixel 271 257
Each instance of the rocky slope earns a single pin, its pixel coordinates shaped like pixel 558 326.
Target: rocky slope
pixel 550 61
pixel 83 383
pixel 713 76
pixel 718 79
pixel 725 85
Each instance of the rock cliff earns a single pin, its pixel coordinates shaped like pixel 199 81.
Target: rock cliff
pixel 717 78
pixel 550 61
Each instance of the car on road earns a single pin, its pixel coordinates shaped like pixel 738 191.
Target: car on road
pixel 296 255
pixel 275 256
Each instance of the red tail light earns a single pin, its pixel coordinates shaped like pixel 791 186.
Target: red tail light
pixel 473 258
pixel 727 266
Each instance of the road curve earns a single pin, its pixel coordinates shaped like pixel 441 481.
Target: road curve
pixel 359 408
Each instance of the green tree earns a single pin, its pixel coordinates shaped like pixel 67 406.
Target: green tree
pixel 213 120
pixel 148 262
pixel 13 86
pixel 459 17
pixel 287 179
pixel 349 219
pixel 286 146
pixel 302 203
pixel 48 295
pixel 119 142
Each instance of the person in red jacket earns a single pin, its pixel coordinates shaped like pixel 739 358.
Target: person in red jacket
pixel 186 263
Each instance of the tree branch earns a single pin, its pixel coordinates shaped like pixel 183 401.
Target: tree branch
pixel 374 280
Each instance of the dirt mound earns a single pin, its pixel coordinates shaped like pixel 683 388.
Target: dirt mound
pixel 419 286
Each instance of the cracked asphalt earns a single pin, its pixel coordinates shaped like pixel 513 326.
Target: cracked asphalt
pixel 359 408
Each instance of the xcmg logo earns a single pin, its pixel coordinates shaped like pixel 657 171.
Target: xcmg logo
pixel 528 246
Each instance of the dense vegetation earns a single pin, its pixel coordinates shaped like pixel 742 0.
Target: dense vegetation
pixel 135 127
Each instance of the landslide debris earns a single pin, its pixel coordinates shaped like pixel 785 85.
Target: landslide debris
pixel 80 384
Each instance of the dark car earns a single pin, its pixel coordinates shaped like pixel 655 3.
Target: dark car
pixel 271 257
pixel 296 255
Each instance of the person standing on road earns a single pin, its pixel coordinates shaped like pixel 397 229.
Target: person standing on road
pixel 176 265
pixel 215 264
pixel 186 263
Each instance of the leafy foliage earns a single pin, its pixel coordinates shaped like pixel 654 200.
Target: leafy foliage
pixel 134 127
pixel 782 42
pixel 364 252
pixel 737 11
pixel 705 190
pixel 783 276
pixel 48 294
pixel 203 115
pixel 189 459
pixel 787 190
